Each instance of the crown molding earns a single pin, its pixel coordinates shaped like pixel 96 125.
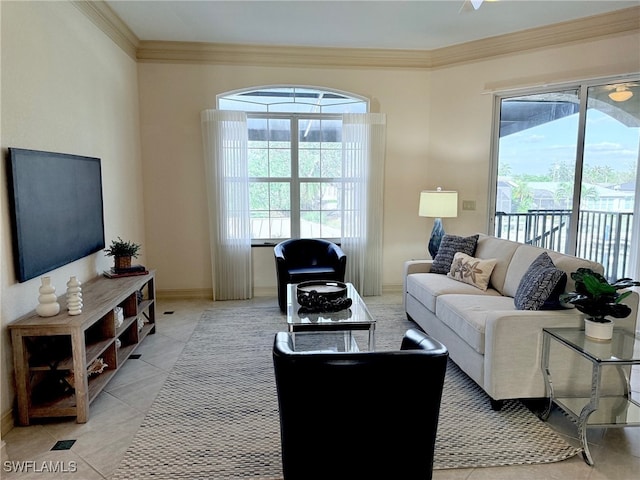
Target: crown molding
pixel 111 25
pixel 261 55
pixel 589 28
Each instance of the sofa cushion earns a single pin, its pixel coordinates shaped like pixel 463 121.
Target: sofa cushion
pixel 569 264
pixel 526 254
pixel 539 283
pixel 467 315
pixel 502 250
pixel 426 287
pixel 450 245
pixel 471 270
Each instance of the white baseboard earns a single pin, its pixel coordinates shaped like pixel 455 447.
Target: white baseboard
pixel 185 293
pixel 265 292
pixel 206 293
pixel 392 288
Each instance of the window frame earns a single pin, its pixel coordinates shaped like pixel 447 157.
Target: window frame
pixel 582 87
pixel 294 118
pixel 499 95
pixel 294 179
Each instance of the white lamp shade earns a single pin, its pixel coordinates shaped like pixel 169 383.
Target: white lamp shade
pixel 438 204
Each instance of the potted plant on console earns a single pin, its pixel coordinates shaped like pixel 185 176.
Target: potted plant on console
pixel 598 299
pixel 123 252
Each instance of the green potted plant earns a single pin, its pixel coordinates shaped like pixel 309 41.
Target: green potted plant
pixel 598 299
pixel 122 251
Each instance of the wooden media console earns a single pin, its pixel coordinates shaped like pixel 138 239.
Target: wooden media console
pixel 56 359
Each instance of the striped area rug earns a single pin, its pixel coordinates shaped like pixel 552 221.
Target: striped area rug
pixel 216 416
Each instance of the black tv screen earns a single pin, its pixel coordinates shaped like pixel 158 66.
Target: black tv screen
pixel 56 208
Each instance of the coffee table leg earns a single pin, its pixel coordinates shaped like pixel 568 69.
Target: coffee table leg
pixel 372 337
pixel 292 333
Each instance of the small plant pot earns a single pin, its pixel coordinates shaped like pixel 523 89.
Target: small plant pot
pixel 122 263
pixel 598 330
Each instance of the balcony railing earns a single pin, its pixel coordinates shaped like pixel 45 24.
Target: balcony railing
pixel 604 237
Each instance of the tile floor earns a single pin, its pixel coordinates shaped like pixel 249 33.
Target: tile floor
pixel 119 410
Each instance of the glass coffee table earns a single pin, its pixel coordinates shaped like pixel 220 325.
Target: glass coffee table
pixel 356 317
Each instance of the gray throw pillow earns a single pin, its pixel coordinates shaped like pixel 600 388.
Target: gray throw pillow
pixel 450 245
pixel 540 283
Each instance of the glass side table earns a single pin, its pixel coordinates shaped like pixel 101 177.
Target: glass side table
pixel 596 409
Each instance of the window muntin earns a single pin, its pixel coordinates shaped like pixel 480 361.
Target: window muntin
pixel 289 99
pixel 295 159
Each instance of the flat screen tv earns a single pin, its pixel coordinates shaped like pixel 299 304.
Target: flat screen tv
pixel 56 208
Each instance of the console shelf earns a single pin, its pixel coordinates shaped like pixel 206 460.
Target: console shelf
pixel 52 354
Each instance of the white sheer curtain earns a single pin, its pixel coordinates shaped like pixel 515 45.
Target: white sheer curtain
pixel 363 149
pixel 225 140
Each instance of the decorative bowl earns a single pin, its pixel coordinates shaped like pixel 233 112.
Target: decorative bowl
pixel 322 296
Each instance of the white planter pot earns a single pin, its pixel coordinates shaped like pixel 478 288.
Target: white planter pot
pixel 598 330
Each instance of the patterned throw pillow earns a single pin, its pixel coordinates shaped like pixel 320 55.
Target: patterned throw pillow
pixel 539 283
pixel 450 245
pixel 553 302
pixel 474 271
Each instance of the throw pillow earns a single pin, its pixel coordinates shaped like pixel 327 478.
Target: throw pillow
pixel 474 271
pixel 538 284
pixel 553 302
pixel 450 245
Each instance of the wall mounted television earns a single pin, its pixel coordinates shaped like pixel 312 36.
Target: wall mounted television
pixel 56 209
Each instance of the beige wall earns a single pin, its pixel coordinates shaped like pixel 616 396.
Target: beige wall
pixel 66 87
pixel 438 134
pixel 171 99
pixel 462 110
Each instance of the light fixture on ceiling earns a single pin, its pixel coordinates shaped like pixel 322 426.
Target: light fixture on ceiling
pixel 621 94
pixel 470 5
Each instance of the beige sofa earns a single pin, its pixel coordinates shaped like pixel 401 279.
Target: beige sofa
pixel 498 346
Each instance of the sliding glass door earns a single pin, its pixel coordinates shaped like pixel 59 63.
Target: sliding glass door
pixel 566 171
pixel 610 166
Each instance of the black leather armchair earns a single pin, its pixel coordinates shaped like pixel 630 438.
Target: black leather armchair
pixel 302 259
pixel 363 415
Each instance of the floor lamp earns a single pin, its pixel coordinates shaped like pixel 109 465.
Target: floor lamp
pixel 437 204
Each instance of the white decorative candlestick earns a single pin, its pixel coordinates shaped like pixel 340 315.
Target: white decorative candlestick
pixel 74 304
pixel 48 306
pixel 74 296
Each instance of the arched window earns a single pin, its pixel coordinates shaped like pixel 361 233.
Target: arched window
pixel 295 159
pixel 293 162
